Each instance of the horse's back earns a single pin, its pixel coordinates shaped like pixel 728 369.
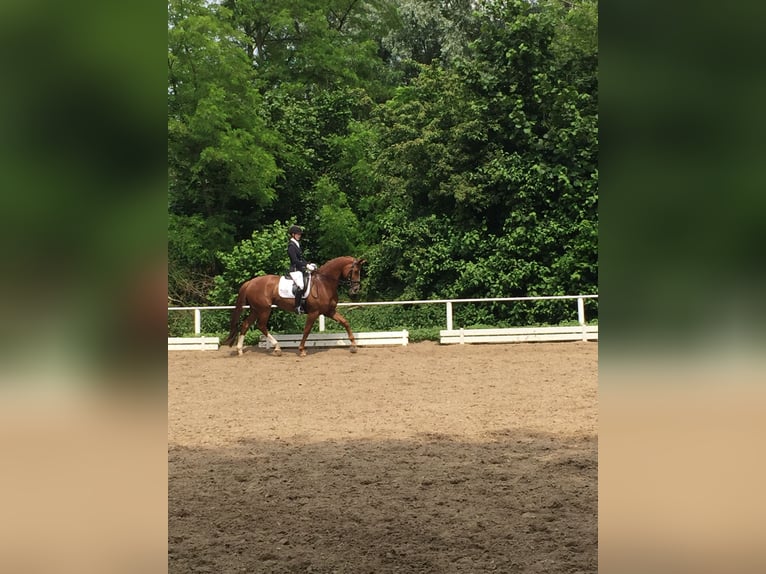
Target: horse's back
pixel 261 281
pixel 262 288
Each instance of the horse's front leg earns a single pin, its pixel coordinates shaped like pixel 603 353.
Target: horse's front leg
pixel 343 321
pixel 310 318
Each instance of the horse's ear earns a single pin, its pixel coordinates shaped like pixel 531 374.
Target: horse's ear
pixel 362 261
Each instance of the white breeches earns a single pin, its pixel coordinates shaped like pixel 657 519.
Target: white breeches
pixel 297 277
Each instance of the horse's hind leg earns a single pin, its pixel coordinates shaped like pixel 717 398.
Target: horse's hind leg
pixel 263 321
pixel 249 320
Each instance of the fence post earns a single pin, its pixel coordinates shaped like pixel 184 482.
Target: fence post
pixel 581 316
pixel 321 323
pixel 449 315
pixel 197 321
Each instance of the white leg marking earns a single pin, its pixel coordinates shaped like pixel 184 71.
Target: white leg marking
pixel 240 343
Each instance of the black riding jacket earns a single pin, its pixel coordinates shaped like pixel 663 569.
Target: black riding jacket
pixel 297 262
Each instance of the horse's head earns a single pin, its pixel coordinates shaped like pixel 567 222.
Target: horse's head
pixel 355 277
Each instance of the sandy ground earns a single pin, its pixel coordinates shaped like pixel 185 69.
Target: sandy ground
pixel 425 458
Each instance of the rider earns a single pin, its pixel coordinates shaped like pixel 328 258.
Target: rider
pixel 298 266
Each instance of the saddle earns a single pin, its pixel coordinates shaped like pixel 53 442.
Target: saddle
pixel 286 286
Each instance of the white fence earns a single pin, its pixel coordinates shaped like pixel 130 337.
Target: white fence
pixel 451 335
pixel 519 335
pixel 373 338
pixel 193 343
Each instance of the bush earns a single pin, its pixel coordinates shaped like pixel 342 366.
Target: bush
pixel 265 253
pixel 181 323
pixel 417 335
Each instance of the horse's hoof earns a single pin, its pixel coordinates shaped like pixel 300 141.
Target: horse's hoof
pixel 277 352
pixel 302 354
pixel 239 352
pixel 353 349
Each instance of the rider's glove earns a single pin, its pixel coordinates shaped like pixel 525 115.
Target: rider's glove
pixel 311 267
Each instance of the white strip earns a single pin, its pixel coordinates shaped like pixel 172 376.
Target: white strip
pixel 520 331
pixel 375 338
pixel 193 343
pixel 519 335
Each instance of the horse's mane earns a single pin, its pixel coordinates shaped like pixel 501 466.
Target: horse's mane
pixel 333 262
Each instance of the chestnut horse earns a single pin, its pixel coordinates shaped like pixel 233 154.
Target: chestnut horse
pixel 262 292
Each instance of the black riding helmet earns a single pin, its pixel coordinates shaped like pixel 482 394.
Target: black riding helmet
pixel 295 229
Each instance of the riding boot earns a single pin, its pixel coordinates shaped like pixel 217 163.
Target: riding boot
pixel 298 300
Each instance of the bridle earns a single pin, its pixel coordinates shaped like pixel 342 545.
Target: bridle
pixel 356 265
pixel 354 283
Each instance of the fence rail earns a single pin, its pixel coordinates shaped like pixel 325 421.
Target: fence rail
pixel 193 343
pixel 519 335
pixel 448 303
pixel 364 339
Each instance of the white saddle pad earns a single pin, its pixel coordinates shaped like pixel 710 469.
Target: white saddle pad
pixel 286 288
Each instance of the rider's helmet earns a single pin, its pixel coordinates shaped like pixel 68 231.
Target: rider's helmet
pixel 295 229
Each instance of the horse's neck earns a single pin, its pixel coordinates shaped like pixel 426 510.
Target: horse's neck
pixel 334 268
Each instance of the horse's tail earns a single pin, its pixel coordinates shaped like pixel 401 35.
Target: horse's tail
pixel 235 314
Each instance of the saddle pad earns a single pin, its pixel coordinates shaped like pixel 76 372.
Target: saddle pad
pixel 286 288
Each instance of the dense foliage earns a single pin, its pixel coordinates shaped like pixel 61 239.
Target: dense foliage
pixel 454 145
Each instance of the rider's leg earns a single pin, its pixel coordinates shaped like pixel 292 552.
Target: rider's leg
pixel 298 290
pixel 298 300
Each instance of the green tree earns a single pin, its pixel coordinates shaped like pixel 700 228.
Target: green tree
pixel 497 153
pixel 454 145
pixel 220 151
pixel 336 223
pixel 428 30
